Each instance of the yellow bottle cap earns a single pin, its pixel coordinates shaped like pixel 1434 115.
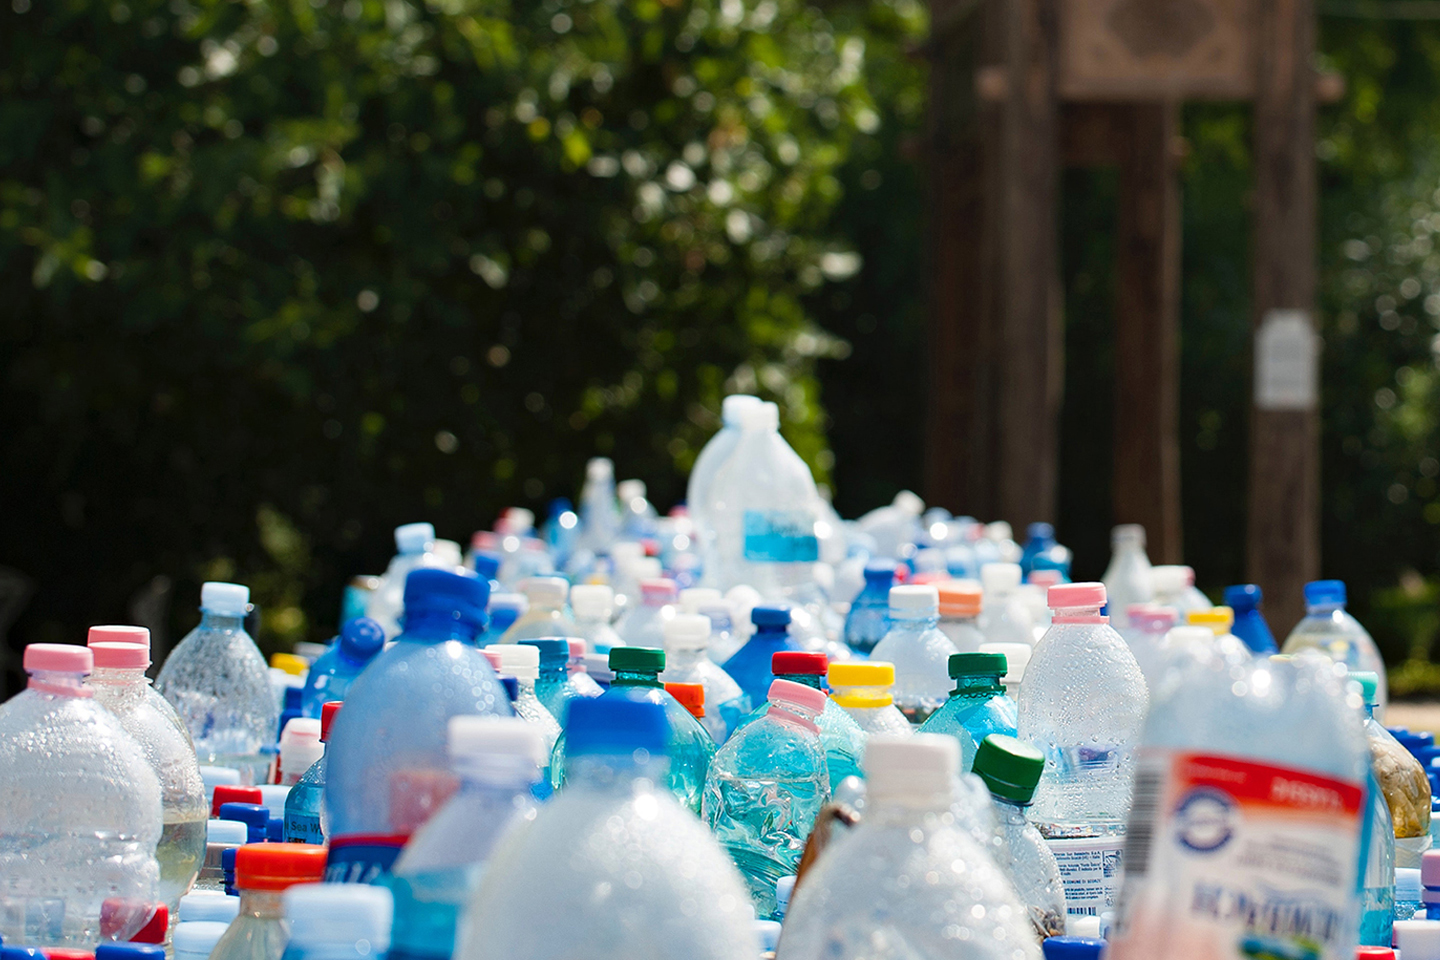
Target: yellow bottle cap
pixel 863 684
pixel 291 664
pixel 1219 619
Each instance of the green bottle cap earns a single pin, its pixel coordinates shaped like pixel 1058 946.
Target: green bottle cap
pixel 1369 685
pixel 637 659
pixel 977 665
pixel 1010 768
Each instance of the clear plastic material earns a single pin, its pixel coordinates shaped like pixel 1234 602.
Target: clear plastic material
pixel 415 545
pixel 687 661
pixel 713 455
pixel 919 651
pixel 868 619
pixel 599 512
pixel 1004 616
pixel 1329 629
pixel 305 818
pixel 258 932
pixel 545 616
pixel 1032 866
pixel 976 708
pixel 1127 579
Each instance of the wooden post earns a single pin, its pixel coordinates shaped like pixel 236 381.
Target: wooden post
pixel 1030 365
pixel 1284 521
pixel 1146 452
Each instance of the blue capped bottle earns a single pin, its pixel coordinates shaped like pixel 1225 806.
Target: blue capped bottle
pixel 869 616
pixel 555 686
pixel 1250 625
pixel 387 767
pixel 503 611
pixel 977 707
pixel 1330 629
pixel 335 670
pixel 1043 552
pixel 750 666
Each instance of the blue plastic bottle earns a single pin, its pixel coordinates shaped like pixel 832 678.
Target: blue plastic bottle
pixel 977 707
pixel 750 666
pixel 1043 552
pixel 387 767
pixel 556 687
pixel 335 670
pixel 1250 625
pixel 304 806
pixel 869 616
pixel 505 609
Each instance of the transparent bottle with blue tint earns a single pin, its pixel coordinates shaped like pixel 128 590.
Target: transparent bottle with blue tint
pixel 869 616
pixel 644 625
pixel 498 761
pixel 1004 616
pixel 864 691
pixel 1127 578
pixel 593 605
pixel 504 609
pixel 331 921
pixel 523 662
pixel 712 456
pixel 487 567
pixel 415 548
pixel 556 686
pixel 1328 628
pixel 561 531
pixel 750 666
pixel 959 614
pixel 263 872
pixel 545 614
pixel 219 684
pixel 335 670
pixel 840 737
pixel 977 707
pixel 765 788
pixel 387 767
pixel 918 649
pixel 1409 893
pixel 673 893
pixel 1043 552
pixel 305 817
pixel 599 511
pixel 686 661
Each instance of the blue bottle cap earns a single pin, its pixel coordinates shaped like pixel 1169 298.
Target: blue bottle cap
pixel 487 565
pixel 453 596
pixel 880 570
pixel 1325 593
pixel 770 615
pixel 130 951
pixel 1243 597
pixel 611 724
pixel 293 698
pixel 255 817
pixel 1041 531
pixel 512 688
pixel 361 639
pixel 1072 948
pixel 21 953
pixel 275 830
pixel 553 650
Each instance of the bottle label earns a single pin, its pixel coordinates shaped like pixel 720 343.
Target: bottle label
pixel 1234 859
pixel 303 827
pixel 362 858
pixel 780 536
pixel 1090 870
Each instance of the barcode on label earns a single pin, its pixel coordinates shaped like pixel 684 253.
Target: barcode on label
pixel 1144 814
pixel 1081 911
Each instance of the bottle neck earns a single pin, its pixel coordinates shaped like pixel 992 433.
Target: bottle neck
pixel 792 716
pixel 59 684
pixel 265 904
pixel 811 680
pixel 768 634
pixel 553 671
pixel 913 621
pixel 1010 812
pixel 495 773
pixel 431 627
pixel 968 618
pixel 684 657
pixel 636 678
pixel 118 677
pixel 221 623
pixel 1086 615
pixel 977 684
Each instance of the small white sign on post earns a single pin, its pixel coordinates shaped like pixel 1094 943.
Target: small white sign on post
pixel 1287 362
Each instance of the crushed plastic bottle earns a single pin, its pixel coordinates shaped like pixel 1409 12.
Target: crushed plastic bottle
pixel 1328 628
pixel 1127 579
pixel 545 615
pixel 415 548
pixel 330 921
pixel 750 666
pixel 305 818
pixel 977 707
pixel 263 872
pixel 1401 779
pixel 331 675
pixel 868 620
pixel 840 737
pixel 686 637
pixel 865 691
pixel 918 650
pixel 219 685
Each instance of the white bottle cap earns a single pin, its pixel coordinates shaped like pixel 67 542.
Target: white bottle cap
pixel 696 599
pixel 208 905
pixel 509 601
pixel 213 777
pixel 592 601
pixel 784 887
pixel 545 591
pixel 999 579
pixel 628 490
pixel 999 531
pixel 732 408
pixel 915 771
pixel 1168 579
pixel 300 747
pixel 768 933
pixel 273 795
pixel 194 940
pixel 225 831
pixel 1417 938
pixel 448 553
pixel 908 502
pixel 414 537
pixel 599 469
pixel 340 913
pixel 471 737
pixel 686 631
pixel 762 416
pixel 224 599
pixel 519 660
pixel 647 568
pixel 910 600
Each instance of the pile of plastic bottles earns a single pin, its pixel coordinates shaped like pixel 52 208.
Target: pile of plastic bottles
pixel 747 728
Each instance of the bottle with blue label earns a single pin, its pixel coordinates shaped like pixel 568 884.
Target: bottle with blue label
pixel 686 637
pixel 498 761
pixel 335 670
pixel 712 456
pixel 750 666
pixel 918 649
pixel 305 819
pixel 1330 629
pixel 977 707
pixel 869 617
pixel 387 767
pixel 330 921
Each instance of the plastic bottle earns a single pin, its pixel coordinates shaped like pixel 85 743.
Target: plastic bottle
pixel 523 662
pixel 686 636
pixel 415 548
pixel 726 637
pixel 1127 579
pixel 1239 758
pixel 919 651
pixel 1043 552
pixel 1004 618
pixel 333 922
pixel 841 738
pixel 300 749
pixel 673 894
pixel 765 788
pixel 561 531
pixel 644 626
pixel 691 696
pixel 593 605
pixel 1328 628
pixel 864 690
pixel 263 872
pixel 599 513
pixel 330 676
pixel 1146 638
pixel 1401 780
pixel 869 618
pixel 959 613
pixel 220 836
pixel 208 906
pixel 555 685
pixel 218 683
pixel 638 519
pixel 909 881
pixel 977 707
pixel 1409 897
pixel 1414 940
pixel 894 526
pixel 545 615
pixel 388 771
pixel 1250 626
pixel 1173 586
pixel 121 656
pixel 713 455
pixel 1011 769
pixel 498 760
pixel 750 666
pixel 57 742
pixel 305 818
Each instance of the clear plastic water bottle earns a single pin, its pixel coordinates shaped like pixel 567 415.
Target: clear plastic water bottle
pixel 686 637
pixel 726 638
pixel 263 872
pixel 593 605
pixel 869 618
pixel 57 742
pixel 840 737
pixel 337 922
pixel 1242 757
pixel 712 456
pixel 387 767
pixel 561 531
pixel 1250 625
pixel 894 526
pixel 1127 579
pixel 865 691
pixel 220 836
pixel 750 666
pixel 305 817
pixel 556 684
pixel 909 881
pixel 498 760
pixel 300 749
pixel 674 893
pixel 335 670
pixel 599 513
pixel 1146 635
pixel 1004 617
pixel 1011 769
pixel 1328 628
pixel 919 651
pixel 765 788
pixel 959 614
pixel 977 707
pixel 122 655
pixel 523 661
pixel 638 518
pixel 1173 586
pixel 644 626
pixel 545 615
pixel 219 684
pixel 415 548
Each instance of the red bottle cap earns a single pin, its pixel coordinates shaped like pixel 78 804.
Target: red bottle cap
pixel 227 793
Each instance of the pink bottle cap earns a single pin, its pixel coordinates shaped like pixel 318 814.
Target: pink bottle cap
pixel 1069 596
pixel 659 591
pixel 577 647
pixel 1045 578
pixel 120 656
pixel 139 636
pixel 1430 868
pixel 58 658
pixel 788 691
